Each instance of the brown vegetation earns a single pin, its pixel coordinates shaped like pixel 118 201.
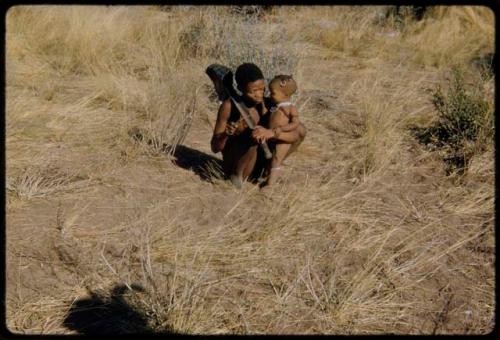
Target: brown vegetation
pixel 118 221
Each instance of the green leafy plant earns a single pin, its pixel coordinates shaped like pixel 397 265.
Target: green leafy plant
pixel 464 125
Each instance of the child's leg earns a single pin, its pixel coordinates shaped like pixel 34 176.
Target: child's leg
pixel 296 138
pixel 293 136
pixel 283 150
pixel 275 169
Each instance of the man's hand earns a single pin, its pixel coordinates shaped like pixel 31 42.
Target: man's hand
pixel 231 128
pixel 235 128
pixel 261 134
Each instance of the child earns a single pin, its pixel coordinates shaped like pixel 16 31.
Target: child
pixel 284 118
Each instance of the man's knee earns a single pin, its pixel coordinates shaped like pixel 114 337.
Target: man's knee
pixel 247 154
pixel 250 151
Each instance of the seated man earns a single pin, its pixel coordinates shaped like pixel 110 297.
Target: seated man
pixel 240 155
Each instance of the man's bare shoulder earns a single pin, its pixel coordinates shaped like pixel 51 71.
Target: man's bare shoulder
pixel 226 104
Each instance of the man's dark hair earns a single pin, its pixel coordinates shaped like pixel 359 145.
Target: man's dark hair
pixel 247 73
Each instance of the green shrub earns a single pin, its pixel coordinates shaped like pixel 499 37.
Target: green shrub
pixel 464 126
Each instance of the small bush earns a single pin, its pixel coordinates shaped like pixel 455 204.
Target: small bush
pixel 234 37
pixel 485 64
pixel 464 126
pixel 252 10
pixel 402 14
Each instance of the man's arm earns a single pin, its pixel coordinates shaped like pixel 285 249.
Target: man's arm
pixel 220 136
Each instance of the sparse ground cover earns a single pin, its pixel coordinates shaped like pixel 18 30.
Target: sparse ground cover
pixel 117 220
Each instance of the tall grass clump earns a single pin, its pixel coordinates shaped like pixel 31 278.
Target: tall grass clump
pixel 43 180
pixel 465 124
pixel 340 30
pixel 462 33
pixel 170 113
pixel 232 37
pixel 77 39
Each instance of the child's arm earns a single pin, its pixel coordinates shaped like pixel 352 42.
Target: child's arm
pixel 292 125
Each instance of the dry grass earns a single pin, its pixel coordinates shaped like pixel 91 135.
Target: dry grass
pixel 366 235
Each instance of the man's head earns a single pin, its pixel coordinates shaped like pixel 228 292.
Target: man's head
pixel 282 87
pixel 250 81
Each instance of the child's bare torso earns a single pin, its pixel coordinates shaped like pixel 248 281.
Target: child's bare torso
pixel 280 116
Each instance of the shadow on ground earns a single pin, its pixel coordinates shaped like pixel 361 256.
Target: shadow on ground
pixel 207 167
pixel 107 314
